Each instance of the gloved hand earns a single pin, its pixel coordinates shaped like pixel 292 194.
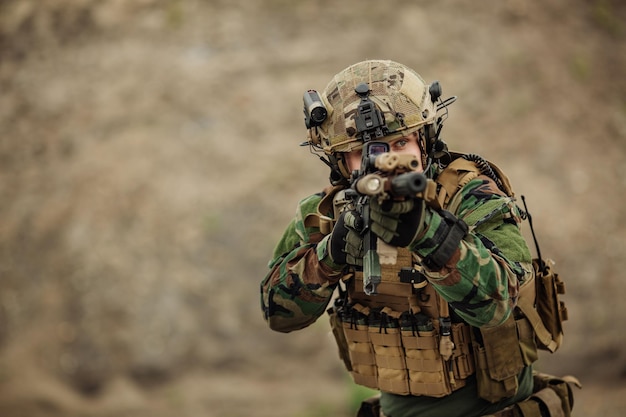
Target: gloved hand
pixel 396 222
pixel 346 240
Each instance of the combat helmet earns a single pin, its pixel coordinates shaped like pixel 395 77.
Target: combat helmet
pixel 402 100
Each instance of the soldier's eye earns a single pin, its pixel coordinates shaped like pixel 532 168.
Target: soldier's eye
pixel 400 143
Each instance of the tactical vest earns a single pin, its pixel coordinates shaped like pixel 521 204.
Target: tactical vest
pixel 403 340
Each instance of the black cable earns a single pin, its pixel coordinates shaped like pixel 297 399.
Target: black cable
pixel 485 168
pixel 542 265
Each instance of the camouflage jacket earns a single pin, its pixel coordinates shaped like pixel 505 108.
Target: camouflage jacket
pixel 480 281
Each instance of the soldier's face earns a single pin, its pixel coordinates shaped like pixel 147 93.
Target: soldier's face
pixel 407 145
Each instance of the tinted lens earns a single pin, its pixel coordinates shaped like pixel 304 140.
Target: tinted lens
pixel 378 148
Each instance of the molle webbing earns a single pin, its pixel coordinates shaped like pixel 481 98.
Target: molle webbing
pixel 393 339
pixel 393 353
pixel 397 295
pixel 460 172
pixel 456 175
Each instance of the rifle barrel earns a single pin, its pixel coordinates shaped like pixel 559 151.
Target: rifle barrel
pixel 408 184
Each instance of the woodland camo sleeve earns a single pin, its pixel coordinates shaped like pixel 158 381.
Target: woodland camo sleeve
pixel 481 280
pixel 302 278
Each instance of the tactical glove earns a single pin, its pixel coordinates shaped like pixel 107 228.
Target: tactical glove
pixel 396 222
pixel 443 233
pixel 346 240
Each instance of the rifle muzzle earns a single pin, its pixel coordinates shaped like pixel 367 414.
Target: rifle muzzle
pixel 408 184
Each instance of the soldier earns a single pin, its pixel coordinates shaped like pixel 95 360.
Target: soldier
pixel 438 331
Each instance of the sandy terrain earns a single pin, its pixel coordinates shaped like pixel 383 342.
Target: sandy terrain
pixel 149 160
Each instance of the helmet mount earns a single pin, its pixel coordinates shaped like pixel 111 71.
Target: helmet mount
pixel 369 120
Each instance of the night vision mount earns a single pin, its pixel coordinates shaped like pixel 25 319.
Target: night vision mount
pixel 370 121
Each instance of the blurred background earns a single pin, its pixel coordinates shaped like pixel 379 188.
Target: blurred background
pixel 149 161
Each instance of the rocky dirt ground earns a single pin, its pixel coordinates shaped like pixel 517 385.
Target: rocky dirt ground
pixel 149 160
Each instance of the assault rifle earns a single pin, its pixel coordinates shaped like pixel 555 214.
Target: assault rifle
pixel 382 175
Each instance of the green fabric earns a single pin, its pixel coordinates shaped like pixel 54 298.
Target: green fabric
pixel 296 232
pixel 461 403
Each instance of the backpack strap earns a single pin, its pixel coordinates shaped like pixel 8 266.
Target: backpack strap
pixel 506 183
pixel 454 177
pixel 463 164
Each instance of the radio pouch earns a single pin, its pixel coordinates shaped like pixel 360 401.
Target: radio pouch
pixel 551 310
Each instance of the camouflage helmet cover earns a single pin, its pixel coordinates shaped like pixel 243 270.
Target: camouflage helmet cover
pixel 399 92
